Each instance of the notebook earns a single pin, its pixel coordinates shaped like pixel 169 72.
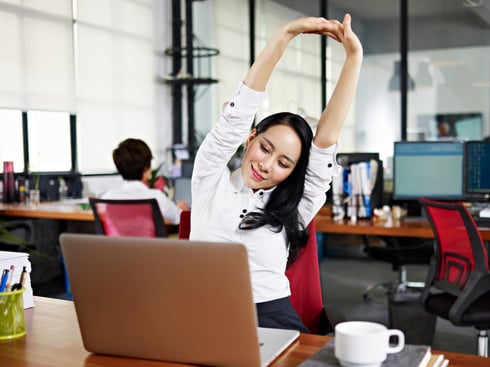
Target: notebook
pixel 168 299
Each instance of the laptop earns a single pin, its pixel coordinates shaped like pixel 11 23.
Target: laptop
pixel 169 300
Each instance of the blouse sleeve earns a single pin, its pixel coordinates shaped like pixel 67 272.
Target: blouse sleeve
pixel 321 168
pixel 226 136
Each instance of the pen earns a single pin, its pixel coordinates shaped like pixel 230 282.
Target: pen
pixel 23 277
pixel 3 281
pixel 20 285
pixel 11 275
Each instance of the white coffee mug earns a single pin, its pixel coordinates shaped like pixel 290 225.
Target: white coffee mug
pixel 366 344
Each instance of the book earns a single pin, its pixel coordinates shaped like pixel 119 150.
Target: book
pixel 410 356
pixel 19 260
pixel 437 360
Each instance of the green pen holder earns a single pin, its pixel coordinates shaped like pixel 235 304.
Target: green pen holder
pixel 12 321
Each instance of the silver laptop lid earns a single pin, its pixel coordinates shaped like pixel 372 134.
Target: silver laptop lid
pixel 163 299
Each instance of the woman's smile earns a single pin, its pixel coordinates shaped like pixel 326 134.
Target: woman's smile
pixel 256 175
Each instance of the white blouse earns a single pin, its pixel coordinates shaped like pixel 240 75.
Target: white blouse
pixel 220 199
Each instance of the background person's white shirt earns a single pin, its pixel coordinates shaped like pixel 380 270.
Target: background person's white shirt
pixel 138 190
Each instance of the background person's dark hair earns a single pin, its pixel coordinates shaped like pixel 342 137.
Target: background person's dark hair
pixel 132 157
pixel 282 209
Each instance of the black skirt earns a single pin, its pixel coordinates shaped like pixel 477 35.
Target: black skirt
pixel 279 314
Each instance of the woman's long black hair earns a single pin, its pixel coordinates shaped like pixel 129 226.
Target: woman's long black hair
pixel 281 211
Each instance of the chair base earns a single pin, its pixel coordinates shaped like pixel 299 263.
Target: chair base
pixel 401 285
pixel 483 343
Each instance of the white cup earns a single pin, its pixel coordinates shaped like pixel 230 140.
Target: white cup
pixel 365 344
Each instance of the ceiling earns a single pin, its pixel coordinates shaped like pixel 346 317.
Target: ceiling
pixel 434 24
pixel 372 10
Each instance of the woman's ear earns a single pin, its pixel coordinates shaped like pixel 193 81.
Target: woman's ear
pixel 251 137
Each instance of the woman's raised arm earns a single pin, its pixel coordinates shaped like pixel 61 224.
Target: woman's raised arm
pixel 334 115
pixel 263 66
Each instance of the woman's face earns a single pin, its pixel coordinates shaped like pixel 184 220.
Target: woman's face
pixel 270 157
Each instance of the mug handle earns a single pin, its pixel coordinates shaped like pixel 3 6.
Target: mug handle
pixel 401 341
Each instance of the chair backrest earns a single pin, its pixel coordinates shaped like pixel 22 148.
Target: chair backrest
pixel 304 280
pixel 185 224
pixel 460 249
pixel 137 218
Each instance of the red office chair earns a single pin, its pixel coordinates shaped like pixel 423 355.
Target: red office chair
pixel 306 289
pixel 184 224
pixel 137 218
pixel 458 283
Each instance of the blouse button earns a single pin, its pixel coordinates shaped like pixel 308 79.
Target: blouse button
pixel 261 193
pixel 244 211
pixel 232 104
pixel 242 216
pixel 330 165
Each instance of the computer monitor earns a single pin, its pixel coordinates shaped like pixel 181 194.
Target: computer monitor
pixel 477 169
pixel 431 169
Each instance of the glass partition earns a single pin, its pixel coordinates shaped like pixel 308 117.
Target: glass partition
pixel 449 59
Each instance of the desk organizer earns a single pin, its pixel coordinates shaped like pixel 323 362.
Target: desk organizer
pixel 12 321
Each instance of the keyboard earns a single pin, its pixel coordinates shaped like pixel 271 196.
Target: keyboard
pixel 482 222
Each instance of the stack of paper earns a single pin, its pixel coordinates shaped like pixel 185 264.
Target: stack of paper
pixel 17 261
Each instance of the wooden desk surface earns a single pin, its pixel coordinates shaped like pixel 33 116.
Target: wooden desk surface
pixel 53 339
pixel 406 227
pixel 70 210
pixel 48 210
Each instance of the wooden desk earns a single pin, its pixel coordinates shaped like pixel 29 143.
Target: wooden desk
pixel 53 339
pixel 56 210
pixel 51 210
pixel 406 227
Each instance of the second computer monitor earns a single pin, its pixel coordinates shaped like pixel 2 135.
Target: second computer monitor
pixel 431 169
pixel 477 169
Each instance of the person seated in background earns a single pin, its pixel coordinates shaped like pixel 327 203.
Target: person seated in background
pixel 133 158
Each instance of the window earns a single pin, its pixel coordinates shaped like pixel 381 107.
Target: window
pixel 11 138
pixel 49 141
pixel 95 60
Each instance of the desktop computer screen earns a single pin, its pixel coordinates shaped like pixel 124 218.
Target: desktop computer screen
pixel 477 168
pixel 431 169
